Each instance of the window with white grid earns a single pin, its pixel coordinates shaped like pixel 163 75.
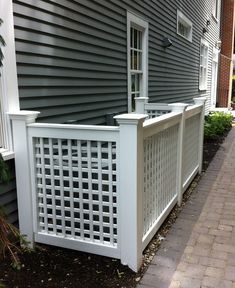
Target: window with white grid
pixel 204 49
pixel 184 26
pixel 137 38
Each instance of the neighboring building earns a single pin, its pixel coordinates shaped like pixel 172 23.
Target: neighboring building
pixel 226 54
pixel 82 60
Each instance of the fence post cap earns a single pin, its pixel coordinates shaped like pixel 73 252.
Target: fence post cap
pixel 145 99
pixel 130 118
pixel 199 100
pixel 179 107
pixel 23 115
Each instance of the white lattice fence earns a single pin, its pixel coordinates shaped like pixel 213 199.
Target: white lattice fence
pixel 105 190
pixel 190 164
pixel 160 175
pixel 75 190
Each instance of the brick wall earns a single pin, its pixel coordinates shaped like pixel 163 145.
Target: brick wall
pixel 225 71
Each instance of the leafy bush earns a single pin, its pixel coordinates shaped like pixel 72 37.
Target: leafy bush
pixel 216 123
pixel 10 237
pixel 233 89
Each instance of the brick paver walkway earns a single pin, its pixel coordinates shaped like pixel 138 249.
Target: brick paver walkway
pixel 199 250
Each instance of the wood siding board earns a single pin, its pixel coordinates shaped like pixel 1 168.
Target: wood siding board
pixel 69 49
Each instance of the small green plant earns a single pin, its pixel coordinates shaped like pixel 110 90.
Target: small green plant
pixel 10 237
pixel 4 171
pixel 216 123
pixel 2 285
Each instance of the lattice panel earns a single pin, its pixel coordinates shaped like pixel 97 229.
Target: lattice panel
pixel 77 189
pixel 190 145
pixel 160 167
pixel 152 113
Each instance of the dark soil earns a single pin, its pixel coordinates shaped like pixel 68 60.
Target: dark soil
pixel 49 266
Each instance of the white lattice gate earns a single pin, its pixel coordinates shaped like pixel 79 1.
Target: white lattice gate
pixel 75 188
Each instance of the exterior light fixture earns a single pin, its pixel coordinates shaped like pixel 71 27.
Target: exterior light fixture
pixel 166 42
pixel 218 44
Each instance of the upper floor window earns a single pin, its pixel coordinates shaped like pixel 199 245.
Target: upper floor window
pixel 184 26
pixel 215 9
pixel 204 50
pixel 137 50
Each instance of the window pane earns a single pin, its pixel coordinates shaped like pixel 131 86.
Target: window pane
pixel 135 38
pixel 135 83
pixel 132 60
pixel 132 37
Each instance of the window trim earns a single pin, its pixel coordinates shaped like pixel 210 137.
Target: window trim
pixel 9 85
pixel 137 22
pixel 215 10
pixel 203 86
pixel 183 18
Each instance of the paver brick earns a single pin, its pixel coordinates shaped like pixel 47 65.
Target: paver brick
pixel 225 227
pixel 230 273
pixel 214 272
pixel 224 247
pixel 208 239
pixel 218 254
pixel 217 232
pixel 190 258
pixel 231 259
pixel 212 262
pixel 210 282
pixel 195 271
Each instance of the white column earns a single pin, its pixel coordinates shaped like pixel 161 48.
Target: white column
pixel 201 101
pixel 140 104
pixel 180 107
pixel 131 188
pixel 23 176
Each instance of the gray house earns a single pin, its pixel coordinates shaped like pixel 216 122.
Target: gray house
pixel 81 61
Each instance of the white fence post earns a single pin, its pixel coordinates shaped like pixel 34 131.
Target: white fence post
pixel 131 188
pixel 180 107
pixel 140 104
pixel 23 179
pixel 201 101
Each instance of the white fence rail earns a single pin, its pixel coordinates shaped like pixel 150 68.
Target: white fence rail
pixel 104 189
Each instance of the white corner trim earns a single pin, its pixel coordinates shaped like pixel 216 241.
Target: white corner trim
pixel 9 61
pixel 9 95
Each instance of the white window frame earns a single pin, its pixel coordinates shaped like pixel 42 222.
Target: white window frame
pixel 140 24
pixel 181 18
pixel 215 9
pixel 203 76
pixel 9 96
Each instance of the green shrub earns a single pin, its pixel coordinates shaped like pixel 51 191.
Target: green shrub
pixel 10 236
pixel 233 89
pixel 216 123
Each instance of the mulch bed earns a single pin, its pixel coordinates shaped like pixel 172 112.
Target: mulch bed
pixel 49 266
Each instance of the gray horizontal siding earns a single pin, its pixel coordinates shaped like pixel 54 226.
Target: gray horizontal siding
pixel 71 59
pixel 71 55
pixel 8 198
